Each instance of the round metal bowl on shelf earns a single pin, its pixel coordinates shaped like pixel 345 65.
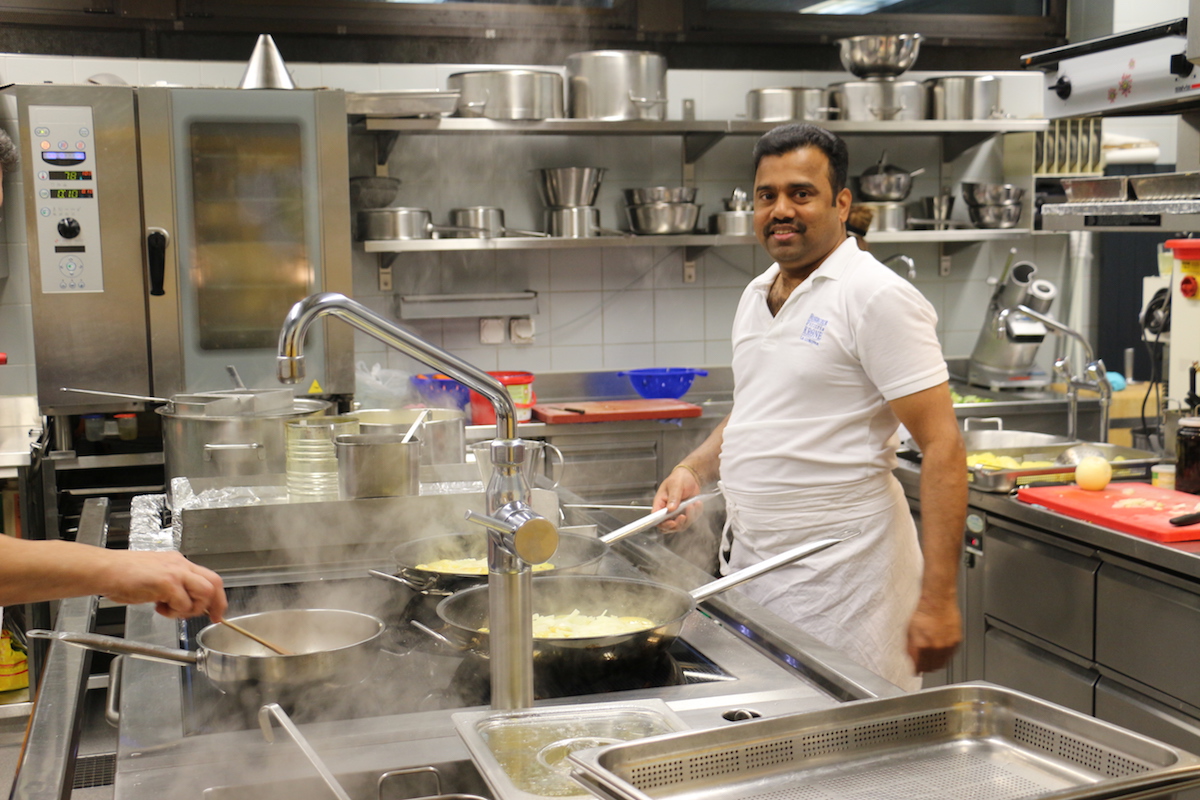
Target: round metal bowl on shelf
pixel 995 216
pixel 991 194
pixel 570 187
pixel 660 194
pixel 663 218
pixel 879 56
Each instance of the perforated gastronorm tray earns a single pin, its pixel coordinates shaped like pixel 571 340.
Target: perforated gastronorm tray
pixel 972 741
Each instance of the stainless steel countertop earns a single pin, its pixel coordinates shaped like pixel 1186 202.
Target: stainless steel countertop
pixel 1179 557
pixel 156 760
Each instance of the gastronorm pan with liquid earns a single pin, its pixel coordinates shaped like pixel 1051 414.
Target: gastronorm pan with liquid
pixel 970 740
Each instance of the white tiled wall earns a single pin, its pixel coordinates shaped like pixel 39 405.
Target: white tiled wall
pixel 598 308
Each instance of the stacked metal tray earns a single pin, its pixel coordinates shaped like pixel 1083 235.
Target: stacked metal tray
pixel 971 740
pixel 1166 186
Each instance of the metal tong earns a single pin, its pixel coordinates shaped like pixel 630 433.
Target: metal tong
pixel 650 520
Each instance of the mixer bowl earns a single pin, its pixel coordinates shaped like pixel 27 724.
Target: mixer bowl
pixel 878 56
pixel 570 187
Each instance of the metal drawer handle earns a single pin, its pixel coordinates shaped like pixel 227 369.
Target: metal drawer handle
pixel 112 698
pixel 209 449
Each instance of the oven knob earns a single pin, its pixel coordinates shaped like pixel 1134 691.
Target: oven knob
pixel 68 228
pixel 1062 87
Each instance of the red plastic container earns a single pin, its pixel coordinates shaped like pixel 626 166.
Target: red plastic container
pixel 520 387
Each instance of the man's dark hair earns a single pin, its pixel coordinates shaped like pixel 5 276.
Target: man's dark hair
pixel 786 138
pixel 8 151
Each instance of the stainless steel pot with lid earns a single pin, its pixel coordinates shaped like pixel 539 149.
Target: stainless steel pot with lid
pixel 230 434
pixel 781 104
pixel 879 99
pixel 617 85
pixel 509 94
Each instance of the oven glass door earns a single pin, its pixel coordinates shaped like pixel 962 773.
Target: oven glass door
pixel 248 225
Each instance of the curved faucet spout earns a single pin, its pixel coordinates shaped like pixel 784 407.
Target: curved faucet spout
pixel 307 311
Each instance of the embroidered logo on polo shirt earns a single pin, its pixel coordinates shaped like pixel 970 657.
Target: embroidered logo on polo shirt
pixel 814 329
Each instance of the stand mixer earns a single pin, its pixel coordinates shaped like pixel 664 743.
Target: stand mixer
pixel 1004 354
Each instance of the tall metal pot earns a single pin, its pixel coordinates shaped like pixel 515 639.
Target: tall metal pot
pixel 218 446
pixel 617 85
pixel 964 97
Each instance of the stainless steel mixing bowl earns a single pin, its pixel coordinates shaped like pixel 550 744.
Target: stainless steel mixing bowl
pixel 877 56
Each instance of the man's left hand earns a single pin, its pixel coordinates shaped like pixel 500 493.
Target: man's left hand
pixel 933 634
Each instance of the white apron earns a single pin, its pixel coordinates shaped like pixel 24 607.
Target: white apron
pixel 858 596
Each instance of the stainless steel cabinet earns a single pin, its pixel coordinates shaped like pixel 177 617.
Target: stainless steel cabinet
pixel 1022 665
pixel 1149 630
pixel 1041 586
pixel 1123 706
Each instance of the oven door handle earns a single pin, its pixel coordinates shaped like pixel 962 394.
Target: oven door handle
pixel 157 240
pixel 112 698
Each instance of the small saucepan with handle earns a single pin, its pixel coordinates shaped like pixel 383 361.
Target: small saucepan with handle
pixel 400 223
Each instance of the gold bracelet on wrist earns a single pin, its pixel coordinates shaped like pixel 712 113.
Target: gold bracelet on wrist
pixel 696 475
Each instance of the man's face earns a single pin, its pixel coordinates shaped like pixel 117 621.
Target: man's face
pixel 797 218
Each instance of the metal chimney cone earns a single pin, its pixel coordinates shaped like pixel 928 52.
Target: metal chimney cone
pixel 266 69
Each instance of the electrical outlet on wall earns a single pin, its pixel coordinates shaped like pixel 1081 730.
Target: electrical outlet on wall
pixel 520 330
pixel 491 330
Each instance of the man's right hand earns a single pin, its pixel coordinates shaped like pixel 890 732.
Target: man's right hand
pixel 678 486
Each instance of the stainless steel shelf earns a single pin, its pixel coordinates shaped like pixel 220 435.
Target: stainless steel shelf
pixel 931 127
pixel 1148 216
pixel 964 235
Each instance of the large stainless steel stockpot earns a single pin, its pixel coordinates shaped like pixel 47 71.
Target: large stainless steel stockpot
pixel 964 97
pixel 781 104
pixel 617 85
pixel 509 94
pixel 880 99
pixel 200 441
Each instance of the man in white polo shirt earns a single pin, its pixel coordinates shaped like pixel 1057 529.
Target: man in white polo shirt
pixel 831 352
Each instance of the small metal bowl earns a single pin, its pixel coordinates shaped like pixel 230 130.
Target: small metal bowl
pixel 660 194
pixel 992 194
pixel 663 218
pixel 884 187
pixel 999 216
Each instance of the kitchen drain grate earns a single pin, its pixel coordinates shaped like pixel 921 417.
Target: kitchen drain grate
pixel 97 770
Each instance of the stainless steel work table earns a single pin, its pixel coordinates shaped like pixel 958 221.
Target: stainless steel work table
pixel 1182 558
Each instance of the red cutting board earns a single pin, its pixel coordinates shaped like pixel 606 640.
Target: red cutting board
pixel 615 410
pixel 1137 508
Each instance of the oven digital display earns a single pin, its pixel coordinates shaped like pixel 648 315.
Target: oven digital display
pixel 71 194
pixel 71 175
pixel 63 158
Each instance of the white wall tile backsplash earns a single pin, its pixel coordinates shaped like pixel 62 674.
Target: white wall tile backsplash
pixel 597 308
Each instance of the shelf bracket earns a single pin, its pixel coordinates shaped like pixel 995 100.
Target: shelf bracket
pixel 385 271
pixel 696 145
pixel 691 253
pixel 384 142
pixel 946 251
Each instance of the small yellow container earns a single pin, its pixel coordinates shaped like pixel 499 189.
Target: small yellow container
pixel 1163 476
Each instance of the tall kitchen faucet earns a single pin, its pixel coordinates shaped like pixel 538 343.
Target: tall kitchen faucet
pixel 1095 376
pixel 517 535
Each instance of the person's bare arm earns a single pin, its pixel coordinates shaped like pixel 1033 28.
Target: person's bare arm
pixel 936 627
pixel 698 469
pixel 32 571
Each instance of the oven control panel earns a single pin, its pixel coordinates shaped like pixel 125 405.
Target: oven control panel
pixel 62 149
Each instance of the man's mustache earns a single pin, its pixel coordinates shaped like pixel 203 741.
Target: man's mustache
pixel 786 226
